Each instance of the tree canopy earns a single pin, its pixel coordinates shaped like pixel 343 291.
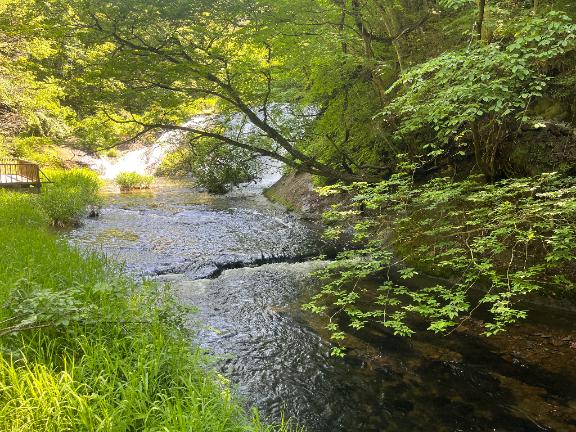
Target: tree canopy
pixel 432 108
pixel 333 87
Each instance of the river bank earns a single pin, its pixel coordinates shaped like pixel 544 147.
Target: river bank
pixel 85 347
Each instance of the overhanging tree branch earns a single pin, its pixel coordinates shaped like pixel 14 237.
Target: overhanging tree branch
pixel 216 81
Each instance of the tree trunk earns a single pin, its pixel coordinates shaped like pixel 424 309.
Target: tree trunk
pixel 392 26
pixel 486 145
pixel 341 26
pixel 478 148
pixel 480 18
pixel 377 81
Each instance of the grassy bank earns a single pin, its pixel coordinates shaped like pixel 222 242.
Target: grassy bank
pixel 84 348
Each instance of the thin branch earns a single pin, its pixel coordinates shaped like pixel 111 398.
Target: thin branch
pixel 126 141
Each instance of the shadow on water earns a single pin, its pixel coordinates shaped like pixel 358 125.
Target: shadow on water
pixel 277 356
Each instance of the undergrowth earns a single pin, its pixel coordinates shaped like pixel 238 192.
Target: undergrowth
pixel 60 203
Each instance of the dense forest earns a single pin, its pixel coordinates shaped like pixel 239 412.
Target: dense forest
pixel 442 133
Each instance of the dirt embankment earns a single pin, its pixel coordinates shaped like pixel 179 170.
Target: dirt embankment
pixel 295 191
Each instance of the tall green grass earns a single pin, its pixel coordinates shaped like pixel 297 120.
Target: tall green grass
pixel 69 194
pixel 131 180
pixel 59 203
pixel 85 348
pixel 21 209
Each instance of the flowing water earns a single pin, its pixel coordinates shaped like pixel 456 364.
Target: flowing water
pixel 143 160
pixel 241 261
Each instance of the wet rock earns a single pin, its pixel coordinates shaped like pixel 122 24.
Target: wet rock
pixel 93 212
pixel 542 146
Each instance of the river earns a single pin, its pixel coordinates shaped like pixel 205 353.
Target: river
pixel 243 262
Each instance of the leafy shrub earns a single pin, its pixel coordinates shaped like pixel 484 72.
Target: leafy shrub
pixel 131 180
pixel 508 240
pixel 41 150
pixel 482 92
pixel 112 153
pixel 175 163
pixel 215 166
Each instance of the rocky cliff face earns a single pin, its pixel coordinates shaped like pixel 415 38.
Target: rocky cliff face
pixel 541 147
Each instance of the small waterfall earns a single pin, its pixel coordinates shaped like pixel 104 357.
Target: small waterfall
pixel 144 160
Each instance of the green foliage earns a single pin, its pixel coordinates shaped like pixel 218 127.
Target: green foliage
pixel 131 180
pixel 36 98
pixel 37 149
pixel 37 102
pixel 60 203
pixel 112 153
pixel 410 60
pixel 175 163
pixel 68 196
pixel 213 165
pixel 498 243
pixel 484 90
pixel 218 167
pixel 455 4
pixel 19 209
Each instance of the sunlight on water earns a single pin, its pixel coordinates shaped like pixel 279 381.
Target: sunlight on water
pixel 143 160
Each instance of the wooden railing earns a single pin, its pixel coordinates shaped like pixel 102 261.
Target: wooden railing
pixel 19 173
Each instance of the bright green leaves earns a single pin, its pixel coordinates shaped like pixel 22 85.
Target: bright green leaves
pixel 497 243
pixel 488 87
pixel 455 4
pixel 543 38
pixel 39 308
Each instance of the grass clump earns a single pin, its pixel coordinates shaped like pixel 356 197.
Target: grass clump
pixel 60 203
pixel 131 181
pixel 112 153
pixel 69 195
pixel 85 348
